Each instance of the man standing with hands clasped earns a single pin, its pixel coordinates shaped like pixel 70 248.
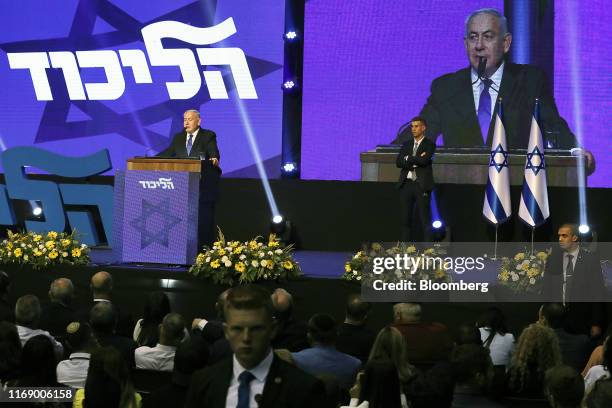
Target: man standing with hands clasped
pixel 416 180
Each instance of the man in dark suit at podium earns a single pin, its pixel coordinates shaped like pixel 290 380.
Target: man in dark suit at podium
pixel 416 180
pixel 195 142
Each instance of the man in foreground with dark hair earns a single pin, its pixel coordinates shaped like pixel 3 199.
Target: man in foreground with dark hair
pixel 416 180
pixel 254 377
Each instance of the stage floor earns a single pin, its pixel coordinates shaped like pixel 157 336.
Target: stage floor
pixel 314 264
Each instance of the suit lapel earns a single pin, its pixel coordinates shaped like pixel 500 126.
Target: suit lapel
pixel 505 89
pixel 464 103
pixel 274 384
pixel 221 383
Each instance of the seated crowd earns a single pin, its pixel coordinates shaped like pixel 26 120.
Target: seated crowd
pixel 255 353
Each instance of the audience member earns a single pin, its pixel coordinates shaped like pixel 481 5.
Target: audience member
pixel 537 350
pixel 563 387
pixel 59 313
pixel 378 387
pixel 354 337
pixel 601 370
pixel 600 396
pixel 80 340
pixel 7 310
pixel 108 383
pixel 27 316
pixel 427 342
pixel 495 336
pixel 575 348
pixel 391 346
pixel 161 357
pixel 596 357
pixel 10 352
pixel 291 333
pixel 473 371
pixel 102 287
pixel 212 330
pixel 191 355
pixel 38 363
pixel 239 381
pixel 146 330
pixel 103 320
pixel 322 357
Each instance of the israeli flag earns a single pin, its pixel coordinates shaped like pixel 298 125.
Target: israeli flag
pixel 497 208
pixel 533 209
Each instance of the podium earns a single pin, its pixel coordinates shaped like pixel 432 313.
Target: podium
pixel 469 166
pixel 156 209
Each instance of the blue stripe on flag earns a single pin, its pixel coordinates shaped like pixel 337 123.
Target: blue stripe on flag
pixel 532 206
pixel 495 204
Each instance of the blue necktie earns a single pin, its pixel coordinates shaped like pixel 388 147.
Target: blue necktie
pixel 484 110
pixel 190 143
pixel 244 389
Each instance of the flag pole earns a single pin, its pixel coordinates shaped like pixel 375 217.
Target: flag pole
pixel 532 234
pixel 495 250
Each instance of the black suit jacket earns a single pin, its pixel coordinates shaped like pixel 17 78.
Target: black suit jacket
pixel 286 386
pixel 423 160
pixel 585 290
pixel 205 144
pixel 55 317
pixel 450 109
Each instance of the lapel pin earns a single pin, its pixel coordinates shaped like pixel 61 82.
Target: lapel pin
pixel 278 380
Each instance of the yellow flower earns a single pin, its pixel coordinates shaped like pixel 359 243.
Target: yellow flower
pixel 347 267
pixel 9 246
pixel 222 252
pixel 440 274
pixel 238 250
pixel 273 244
pixel 504 276
pixel 50 244
pixel 65 243
pixel 215 264
pixel 76 252
pixel 376 246
pixel 240 267
pixel 519 257
pixel 270 264
pixel 288 265
pixel 37 253
pixel 18 253
pixel 533 272
pixel 253 244
pixel 52 235
pixel 200 259
pixel 37 238
pixel 264 263
pixel 53 254
pixel 542 256
pixel 429 251
pixel 411 249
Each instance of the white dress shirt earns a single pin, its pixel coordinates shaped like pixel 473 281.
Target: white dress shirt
pixel 25 334
pixel 478 86
pixel 257 384
pixel 411 173
pixel 500 348
pixel 566 278
pixel 160 357
pixel 73 372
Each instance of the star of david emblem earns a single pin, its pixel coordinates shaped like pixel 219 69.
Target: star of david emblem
pixel 155 215
pixel 104 120
pixel 535 161
pixel 499 158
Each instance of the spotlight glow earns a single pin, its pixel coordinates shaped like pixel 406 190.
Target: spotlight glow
pixel 289 84
pixel 584 229
pixel 436 224
pixel 291 35
pixel 289 167
pixel 277 219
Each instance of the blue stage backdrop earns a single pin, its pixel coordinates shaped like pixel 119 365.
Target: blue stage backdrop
pixel 77 76
pixel 368 66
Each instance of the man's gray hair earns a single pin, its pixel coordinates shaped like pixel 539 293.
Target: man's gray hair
pixel 192 111
pixel 503 21
pixel 407 309
pixel 27 310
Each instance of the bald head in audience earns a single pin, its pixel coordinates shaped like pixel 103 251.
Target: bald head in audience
pixel 283 304
pixel 61 291
pixel 406 313
pixel 102 285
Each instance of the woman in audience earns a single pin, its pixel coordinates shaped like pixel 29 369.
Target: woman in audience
pixel 390 346
pixel 146 331
pixel 108 383
pixel 601 370
pixel 10 352
pixel 495 336
pixel 378 387
pixel 38 363
pixel 537 350
pixel 597 356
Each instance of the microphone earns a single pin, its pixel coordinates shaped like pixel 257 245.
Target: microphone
pixel 482 66
pixel 258 399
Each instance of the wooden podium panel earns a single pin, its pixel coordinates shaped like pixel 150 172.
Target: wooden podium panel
pixel 468 168
pixel 162 164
